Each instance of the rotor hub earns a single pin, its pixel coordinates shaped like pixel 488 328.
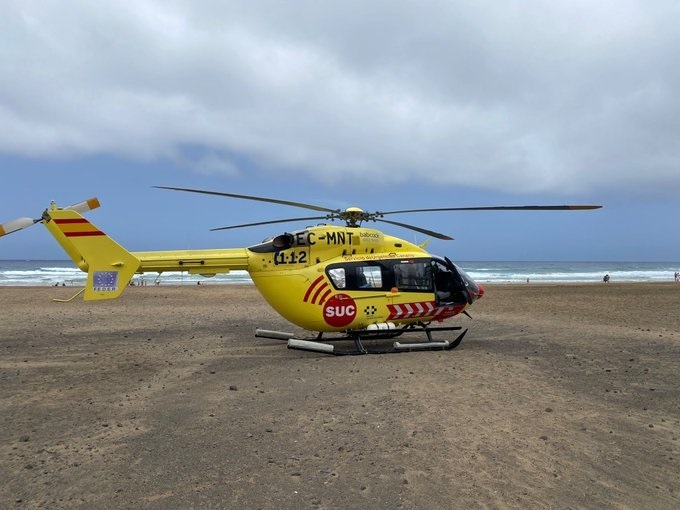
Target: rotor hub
pixel 354 216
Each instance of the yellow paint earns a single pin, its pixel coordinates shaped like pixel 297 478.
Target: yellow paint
pixel 290 270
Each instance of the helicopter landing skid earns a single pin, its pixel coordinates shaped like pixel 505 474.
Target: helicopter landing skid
pixel 326 347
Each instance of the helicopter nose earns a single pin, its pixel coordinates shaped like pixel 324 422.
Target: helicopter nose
pixel 481 291
pixel 477 293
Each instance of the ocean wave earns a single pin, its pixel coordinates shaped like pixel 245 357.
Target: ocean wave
pixel 52 273
pixel 27 273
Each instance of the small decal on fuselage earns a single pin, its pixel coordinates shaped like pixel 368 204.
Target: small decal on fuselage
pixel 105 281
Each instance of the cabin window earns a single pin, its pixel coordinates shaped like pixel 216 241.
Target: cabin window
pixel 413 275
pixel 409 275
pixel 358 276
pixel 369 277
pixel 337 276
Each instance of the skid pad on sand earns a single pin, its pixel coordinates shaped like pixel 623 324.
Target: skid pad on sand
pixel 331 345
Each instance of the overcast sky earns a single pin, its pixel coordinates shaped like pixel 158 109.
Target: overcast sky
pixel 382 105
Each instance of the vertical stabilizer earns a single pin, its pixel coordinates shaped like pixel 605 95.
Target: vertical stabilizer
pixel 109 266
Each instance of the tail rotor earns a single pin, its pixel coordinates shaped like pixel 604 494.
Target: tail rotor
pixel 25 222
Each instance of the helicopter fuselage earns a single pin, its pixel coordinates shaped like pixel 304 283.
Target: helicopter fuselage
pixel 328 278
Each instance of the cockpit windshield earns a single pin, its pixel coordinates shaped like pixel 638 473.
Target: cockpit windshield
pixel 452 283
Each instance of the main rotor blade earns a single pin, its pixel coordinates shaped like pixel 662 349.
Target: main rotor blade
pixel 250 197
pixel 419 229
pixel 503 208
pixel 270 222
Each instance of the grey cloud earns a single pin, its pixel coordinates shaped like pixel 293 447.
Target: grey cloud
pixel 531 96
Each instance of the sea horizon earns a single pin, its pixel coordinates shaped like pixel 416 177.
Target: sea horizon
pixel 39 272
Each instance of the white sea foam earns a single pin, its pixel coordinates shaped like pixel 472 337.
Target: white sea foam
pixel 51 273
pixel 46 273
pixel 556 272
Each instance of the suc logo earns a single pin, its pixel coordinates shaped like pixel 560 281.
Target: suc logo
pixel 340 310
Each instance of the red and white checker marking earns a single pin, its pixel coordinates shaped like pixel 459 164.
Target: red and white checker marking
pixel 422 309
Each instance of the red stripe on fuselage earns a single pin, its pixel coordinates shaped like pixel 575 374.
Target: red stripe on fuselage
pixel 318 291
pixel 325 296
pixel 311 288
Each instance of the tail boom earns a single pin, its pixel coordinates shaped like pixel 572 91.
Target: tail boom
pixel 110 267
pixel 203 262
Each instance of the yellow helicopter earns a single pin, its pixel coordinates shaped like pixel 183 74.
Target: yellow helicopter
pixel 353 282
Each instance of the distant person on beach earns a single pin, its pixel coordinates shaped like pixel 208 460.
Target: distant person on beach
pixel 677 276
pixel 605 279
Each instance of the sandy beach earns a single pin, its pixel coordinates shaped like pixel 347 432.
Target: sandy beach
pixel 560 396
